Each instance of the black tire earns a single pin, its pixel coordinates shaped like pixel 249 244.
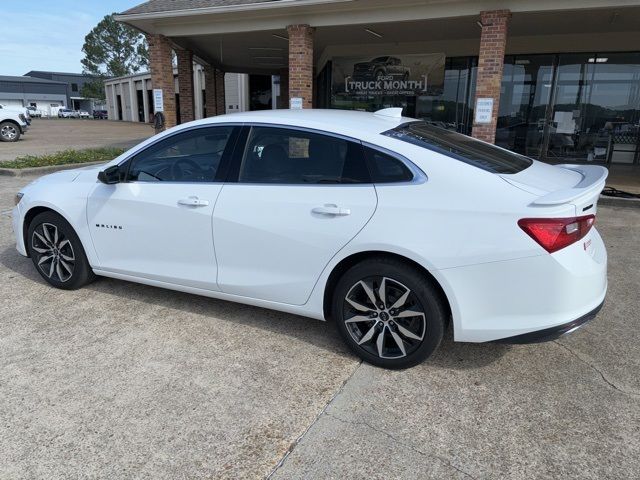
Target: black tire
pixel 57 252
pixel 9 132
pixel 419 335
pixel 378 73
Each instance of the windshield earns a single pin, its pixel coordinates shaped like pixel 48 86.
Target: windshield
pixel 461 147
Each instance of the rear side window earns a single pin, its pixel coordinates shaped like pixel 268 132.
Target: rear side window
pixel 385 168
pixel 461 147
pixel 296 157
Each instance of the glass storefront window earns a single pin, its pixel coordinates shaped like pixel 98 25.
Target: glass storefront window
pixel 452 108
pixel 557 107
pixel 595 111
pixel 571 107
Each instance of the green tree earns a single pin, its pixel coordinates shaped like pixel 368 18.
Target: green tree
pixel 112 49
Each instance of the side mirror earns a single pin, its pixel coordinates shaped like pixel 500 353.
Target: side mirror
pixel 110 175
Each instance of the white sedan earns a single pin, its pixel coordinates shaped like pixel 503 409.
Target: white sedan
pixel 389 226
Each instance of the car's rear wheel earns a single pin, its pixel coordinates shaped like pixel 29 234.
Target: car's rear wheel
pixel 9 132
pixel 57 252
pixel 389 313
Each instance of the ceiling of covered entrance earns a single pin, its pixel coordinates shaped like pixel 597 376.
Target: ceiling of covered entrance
pixel 266 51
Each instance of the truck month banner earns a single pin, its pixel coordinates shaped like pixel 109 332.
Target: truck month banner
pixel 388 75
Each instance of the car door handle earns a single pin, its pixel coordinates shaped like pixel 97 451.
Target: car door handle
pixel 332 210
pixel 193 202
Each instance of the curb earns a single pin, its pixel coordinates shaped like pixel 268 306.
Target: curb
pixel 618 202
pixel 22 172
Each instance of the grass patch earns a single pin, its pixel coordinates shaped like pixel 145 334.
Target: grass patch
pixel 66 157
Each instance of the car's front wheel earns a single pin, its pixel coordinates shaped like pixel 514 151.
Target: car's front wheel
pixel 9 132
pixel 389 313
pixel 57 252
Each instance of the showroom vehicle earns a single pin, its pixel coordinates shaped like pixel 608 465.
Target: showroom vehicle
pixel 83 114
pixel 381 67
pixel 389 226
pixel 13 124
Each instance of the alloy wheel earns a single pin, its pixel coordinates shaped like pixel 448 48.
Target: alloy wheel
pixel 384 317
pixel 9 132
pixel 55 256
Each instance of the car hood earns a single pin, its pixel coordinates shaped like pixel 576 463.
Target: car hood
pixel 68 176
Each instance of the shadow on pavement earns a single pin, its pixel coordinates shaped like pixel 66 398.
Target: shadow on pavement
pixel 466 356
pixel 450 355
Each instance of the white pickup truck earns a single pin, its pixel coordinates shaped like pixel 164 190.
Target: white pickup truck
pixel 13 123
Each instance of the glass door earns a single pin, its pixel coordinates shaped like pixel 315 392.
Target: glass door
pixel 526 93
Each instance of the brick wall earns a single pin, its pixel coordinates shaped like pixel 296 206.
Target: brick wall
pixel 301 63
pixel 160 60
pixel 493 41
pixel 185 84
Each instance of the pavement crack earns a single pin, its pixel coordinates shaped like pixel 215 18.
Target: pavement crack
pixel 402 443
pixel 597 370
pixel 323 411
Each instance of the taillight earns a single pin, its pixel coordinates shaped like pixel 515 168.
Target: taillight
pixel 554 234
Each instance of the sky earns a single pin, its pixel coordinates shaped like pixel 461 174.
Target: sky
pixel 49 34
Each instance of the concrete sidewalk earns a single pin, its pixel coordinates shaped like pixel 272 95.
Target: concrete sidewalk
pixel 119 380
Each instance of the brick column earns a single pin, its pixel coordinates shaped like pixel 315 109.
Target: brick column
pixel 493 41
pixel 283 100
pixel 301 63
pixel 160 61
pixel 210 90
pixel 185 84
pixel 214 91
pixel 221 102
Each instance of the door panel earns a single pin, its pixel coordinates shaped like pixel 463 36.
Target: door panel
pixel 303 196
pixel 271 245
pixel 157 224
pixel 153 230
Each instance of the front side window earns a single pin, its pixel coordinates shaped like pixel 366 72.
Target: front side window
pixel 461 147
pixel 286 156
pixel 192 156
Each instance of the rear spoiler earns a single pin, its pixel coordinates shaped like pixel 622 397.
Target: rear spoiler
pixel 592 183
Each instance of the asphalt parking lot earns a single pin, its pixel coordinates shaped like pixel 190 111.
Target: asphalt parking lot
pixel 119 380
pixel 50 135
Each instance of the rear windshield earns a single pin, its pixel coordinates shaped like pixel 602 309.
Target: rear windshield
pixel 461 147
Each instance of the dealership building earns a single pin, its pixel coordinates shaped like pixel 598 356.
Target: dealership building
pixel 557 80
